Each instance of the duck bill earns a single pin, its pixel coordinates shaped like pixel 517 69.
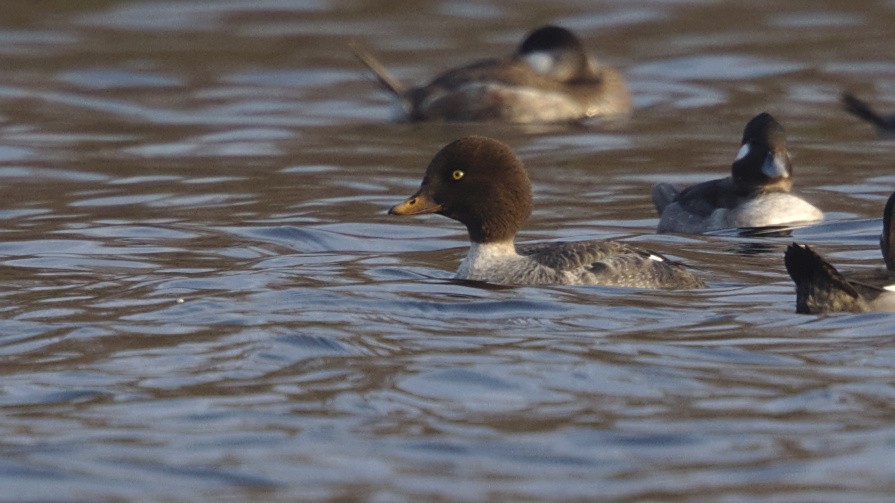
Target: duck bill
pixel 417 204
pixel 776 165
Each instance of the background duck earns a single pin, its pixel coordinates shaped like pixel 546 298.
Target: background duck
pixel 480 182
pixel 756 194
pixel 550 78
pixel 884 124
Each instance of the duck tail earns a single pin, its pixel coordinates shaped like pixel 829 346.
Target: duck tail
pixel 383 76
pixel 820 287
pixel 663 195
pixel 862 110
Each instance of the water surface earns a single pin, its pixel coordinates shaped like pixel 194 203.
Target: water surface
pixel 203 296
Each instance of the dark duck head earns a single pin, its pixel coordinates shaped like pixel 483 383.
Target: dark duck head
pixel 762 164
pixel 556 53
pixel 479 182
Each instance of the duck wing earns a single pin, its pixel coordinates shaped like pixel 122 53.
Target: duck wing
pixel 871 283
pixel 704 198
pixel 485 90
pixel 611 263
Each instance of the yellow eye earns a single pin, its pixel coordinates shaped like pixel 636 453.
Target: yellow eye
pixel 457 174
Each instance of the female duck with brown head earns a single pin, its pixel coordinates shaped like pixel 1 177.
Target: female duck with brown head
pixel 480 183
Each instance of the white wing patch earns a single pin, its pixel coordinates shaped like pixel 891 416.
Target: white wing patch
pixel 744 151
pixel 660 259
pixel 890 288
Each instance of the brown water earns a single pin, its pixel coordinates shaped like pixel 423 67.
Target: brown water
pixel 203 296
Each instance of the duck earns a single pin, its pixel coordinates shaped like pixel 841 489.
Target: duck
pixel 550 78
pixel 756 194
pixel 479 182
pixel 821 288
pixel 885 124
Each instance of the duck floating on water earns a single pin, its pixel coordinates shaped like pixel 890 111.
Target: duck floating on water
pixel 756 194
pixel 480 182
pixel 550 78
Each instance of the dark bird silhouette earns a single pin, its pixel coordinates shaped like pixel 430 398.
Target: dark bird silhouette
pixel 821 288
pixel 885 124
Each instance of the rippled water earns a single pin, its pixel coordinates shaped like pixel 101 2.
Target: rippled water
pixel 203 297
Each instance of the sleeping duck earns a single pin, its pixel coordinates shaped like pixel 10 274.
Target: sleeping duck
pixel 550 78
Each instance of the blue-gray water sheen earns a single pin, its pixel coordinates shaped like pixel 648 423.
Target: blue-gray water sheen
pixel 204 298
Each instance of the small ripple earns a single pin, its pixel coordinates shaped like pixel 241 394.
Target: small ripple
pixel 199 475
pixel 20 336
pixel 38 43
pixel 716 67
pixel 303 78
pixel 816 19
pixel 117 78
pixel 52 174
pixel 150 179
pixel 123 200
pixel 486 309
pixel 37 395
pixel 292 348
pixel 74 263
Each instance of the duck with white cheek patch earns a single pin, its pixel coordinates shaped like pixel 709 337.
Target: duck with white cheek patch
pixel 550 78
pixel 820 288
pixel 756 194
pixel 481 183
